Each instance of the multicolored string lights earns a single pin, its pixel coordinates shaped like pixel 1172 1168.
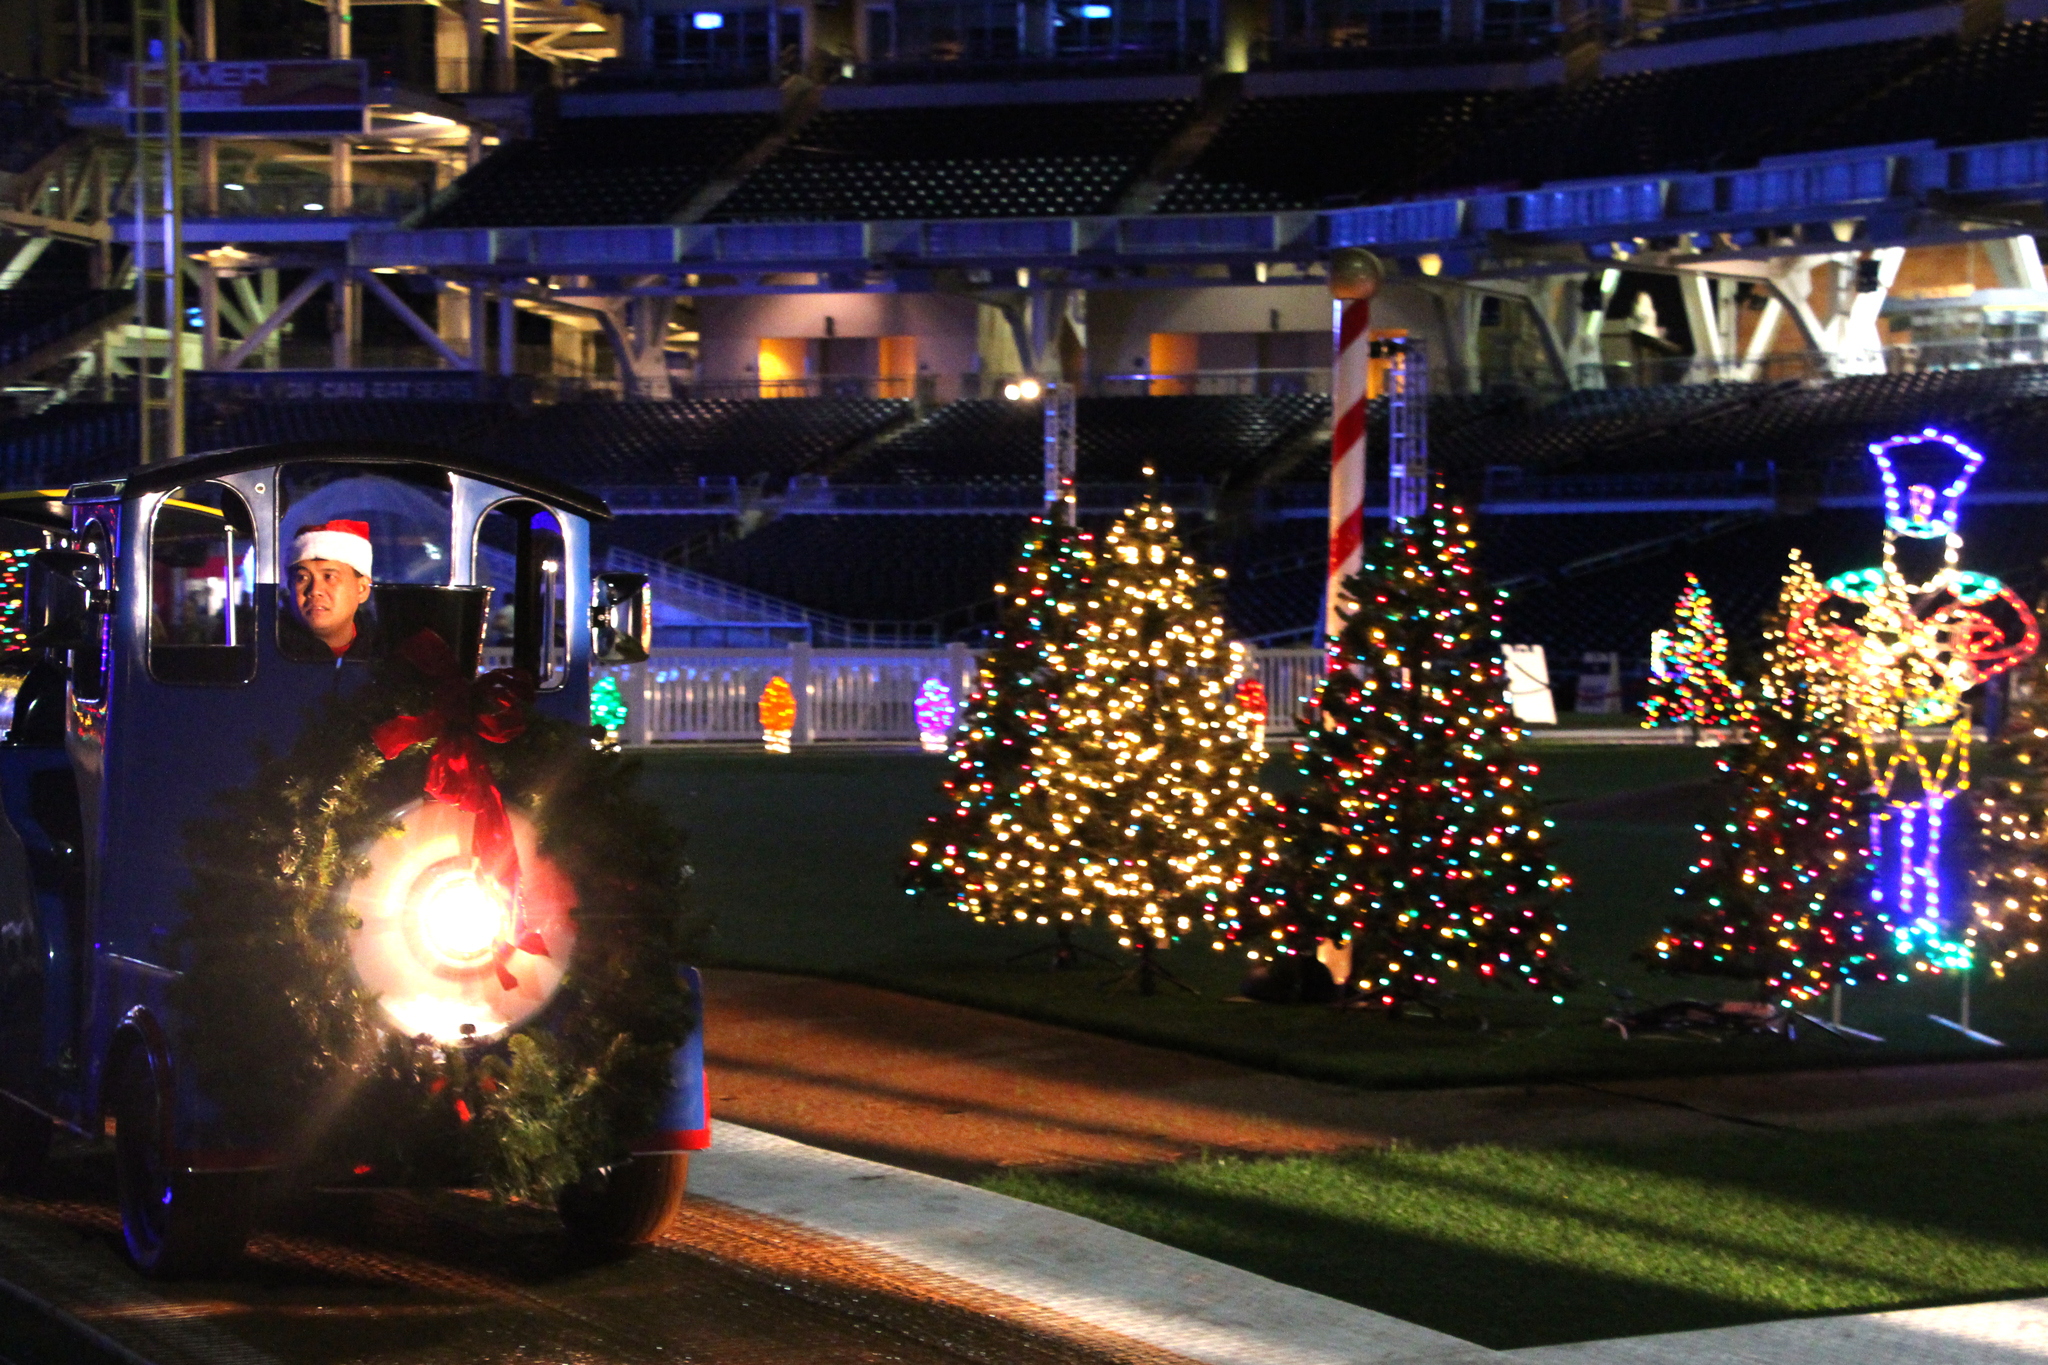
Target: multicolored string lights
pixel 1771 894
pixel 1415 839
pixel 1692 685
pixel 1903 650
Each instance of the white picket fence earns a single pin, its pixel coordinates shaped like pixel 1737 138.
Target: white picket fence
pixel 698 695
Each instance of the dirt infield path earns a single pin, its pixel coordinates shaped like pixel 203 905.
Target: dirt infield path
pixel 959 1092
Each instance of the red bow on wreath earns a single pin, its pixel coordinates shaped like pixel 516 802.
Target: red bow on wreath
pixel 466 714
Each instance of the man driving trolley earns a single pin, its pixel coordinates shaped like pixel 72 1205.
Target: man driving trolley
pixel 329 582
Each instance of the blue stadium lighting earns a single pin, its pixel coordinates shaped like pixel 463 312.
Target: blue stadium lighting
pixel 1095 11
pixel 707 19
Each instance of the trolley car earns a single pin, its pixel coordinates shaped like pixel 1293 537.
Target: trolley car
pixel 142 671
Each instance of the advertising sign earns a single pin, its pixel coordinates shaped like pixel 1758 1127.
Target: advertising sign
pixel 250 99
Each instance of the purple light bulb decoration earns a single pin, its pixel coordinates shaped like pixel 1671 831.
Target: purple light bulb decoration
pixel 936 711
pixel 1920 518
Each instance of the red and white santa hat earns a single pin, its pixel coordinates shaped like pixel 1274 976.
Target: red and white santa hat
pixel 344 542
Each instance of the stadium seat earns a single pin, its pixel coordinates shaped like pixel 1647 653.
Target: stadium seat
pixel 1040 160
pixel 598 171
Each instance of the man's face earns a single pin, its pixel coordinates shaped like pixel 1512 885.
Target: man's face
pixel 327 593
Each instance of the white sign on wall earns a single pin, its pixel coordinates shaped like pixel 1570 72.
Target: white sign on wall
pixel 1529 684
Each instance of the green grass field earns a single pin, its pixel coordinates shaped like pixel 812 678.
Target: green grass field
pixel 797 859
pixel 1523 1248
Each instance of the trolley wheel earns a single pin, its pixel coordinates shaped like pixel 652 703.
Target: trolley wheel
pixel 175 1223
pixel 628 1203
pixel 24 1142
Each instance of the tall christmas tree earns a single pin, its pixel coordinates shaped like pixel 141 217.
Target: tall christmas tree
pixel 2009 882
pixel 1150 771
pixel 1692 686
pixel 1416 834
pixel 990 855
pixel 1772 894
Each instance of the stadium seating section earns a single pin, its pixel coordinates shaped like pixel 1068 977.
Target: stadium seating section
pixel 31 123
pixel 990 441
pixel 599 171
pixel 1274 153
pixel 968 162
pixel 1989 90
pixel 687 439
pixel 874 568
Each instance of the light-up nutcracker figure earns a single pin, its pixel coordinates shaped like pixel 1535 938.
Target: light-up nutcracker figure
pixel 1904 649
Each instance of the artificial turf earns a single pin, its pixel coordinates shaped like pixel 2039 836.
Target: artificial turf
pixel 1513 1248
pixel 798 858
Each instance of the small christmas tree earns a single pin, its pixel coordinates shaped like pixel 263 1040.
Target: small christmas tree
pixel 1772 892
pixel 988 855
pixel 1415 835
pixel 2009 882
pixel 1150 772
pixel 1691 685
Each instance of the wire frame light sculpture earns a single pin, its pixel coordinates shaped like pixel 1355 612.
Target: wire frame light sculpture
pixel 1903 654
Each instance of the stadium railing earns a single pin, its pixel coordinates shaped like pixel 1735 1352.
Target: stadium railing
pixel 714 695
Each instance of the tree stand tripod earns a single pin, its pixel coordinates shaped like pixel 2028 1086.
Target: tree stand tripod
pixel 1066 954
pixel 1149 973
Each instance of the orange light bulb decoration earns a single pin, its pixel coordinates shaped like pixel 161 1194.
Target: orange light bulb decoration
pixel 778 714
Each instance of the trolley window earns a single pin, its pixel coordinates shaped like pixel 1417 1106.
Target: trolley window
pixel 520 555
pixel 202 587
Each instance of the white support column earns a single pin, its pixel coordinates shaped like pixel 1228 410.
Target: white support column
pixel 503 76
pixel 508 332
pixel 479 348
pixel 1703 320
pixel 1583 357
pixel 639 694
pixel 1858 341
pixel 1763 338
pixel 2016 262
pixel 451 50
pixel 209 315
pixel 473 45
pixel 806 731
pixel 340 42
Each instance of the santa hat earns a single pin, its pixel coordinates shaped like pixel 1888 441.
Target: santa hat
pixel 344 542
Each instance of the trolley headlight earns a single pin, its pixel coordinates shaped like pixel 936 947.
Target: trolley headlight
pixel 439 947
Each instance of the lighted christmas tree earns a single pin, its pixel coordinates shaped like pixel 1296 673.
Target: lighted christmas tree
pixel 989 855
pixel 1691 685
pixel 1415 834
pixel 1772 898
pixel 2009 882
pixel 1150 770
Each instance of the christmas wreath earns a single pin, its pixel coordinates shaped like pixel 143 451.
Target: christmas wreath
pixel 275 1014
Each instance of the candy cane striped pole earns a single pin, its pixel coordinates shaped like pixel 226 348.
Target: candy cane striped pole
pixel 1354 278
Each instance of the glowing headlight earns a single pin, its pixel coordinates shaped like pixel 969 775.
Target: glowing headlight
pixel 459 918
pixel 432 936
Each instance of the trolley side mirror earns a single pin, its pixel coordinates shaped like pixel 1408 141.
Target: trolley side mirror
pixel 64 597
pixel 621 618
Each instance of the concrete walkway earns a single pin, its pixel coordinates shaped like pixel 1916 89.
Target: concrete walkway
pixel 1196 1308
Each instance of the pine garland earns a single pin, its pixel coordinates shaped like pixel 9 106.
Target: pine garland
pixel 284 1040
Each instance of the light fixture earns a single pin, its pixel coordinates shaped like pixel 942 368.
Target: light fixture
pixel 1022 390
pixel 1095 11
pixel 707 19
pixel 313 208
pixel 231 185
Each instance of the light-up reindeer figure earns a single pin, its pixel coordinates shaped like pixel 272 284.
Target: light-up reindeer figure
pixel 1902 654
